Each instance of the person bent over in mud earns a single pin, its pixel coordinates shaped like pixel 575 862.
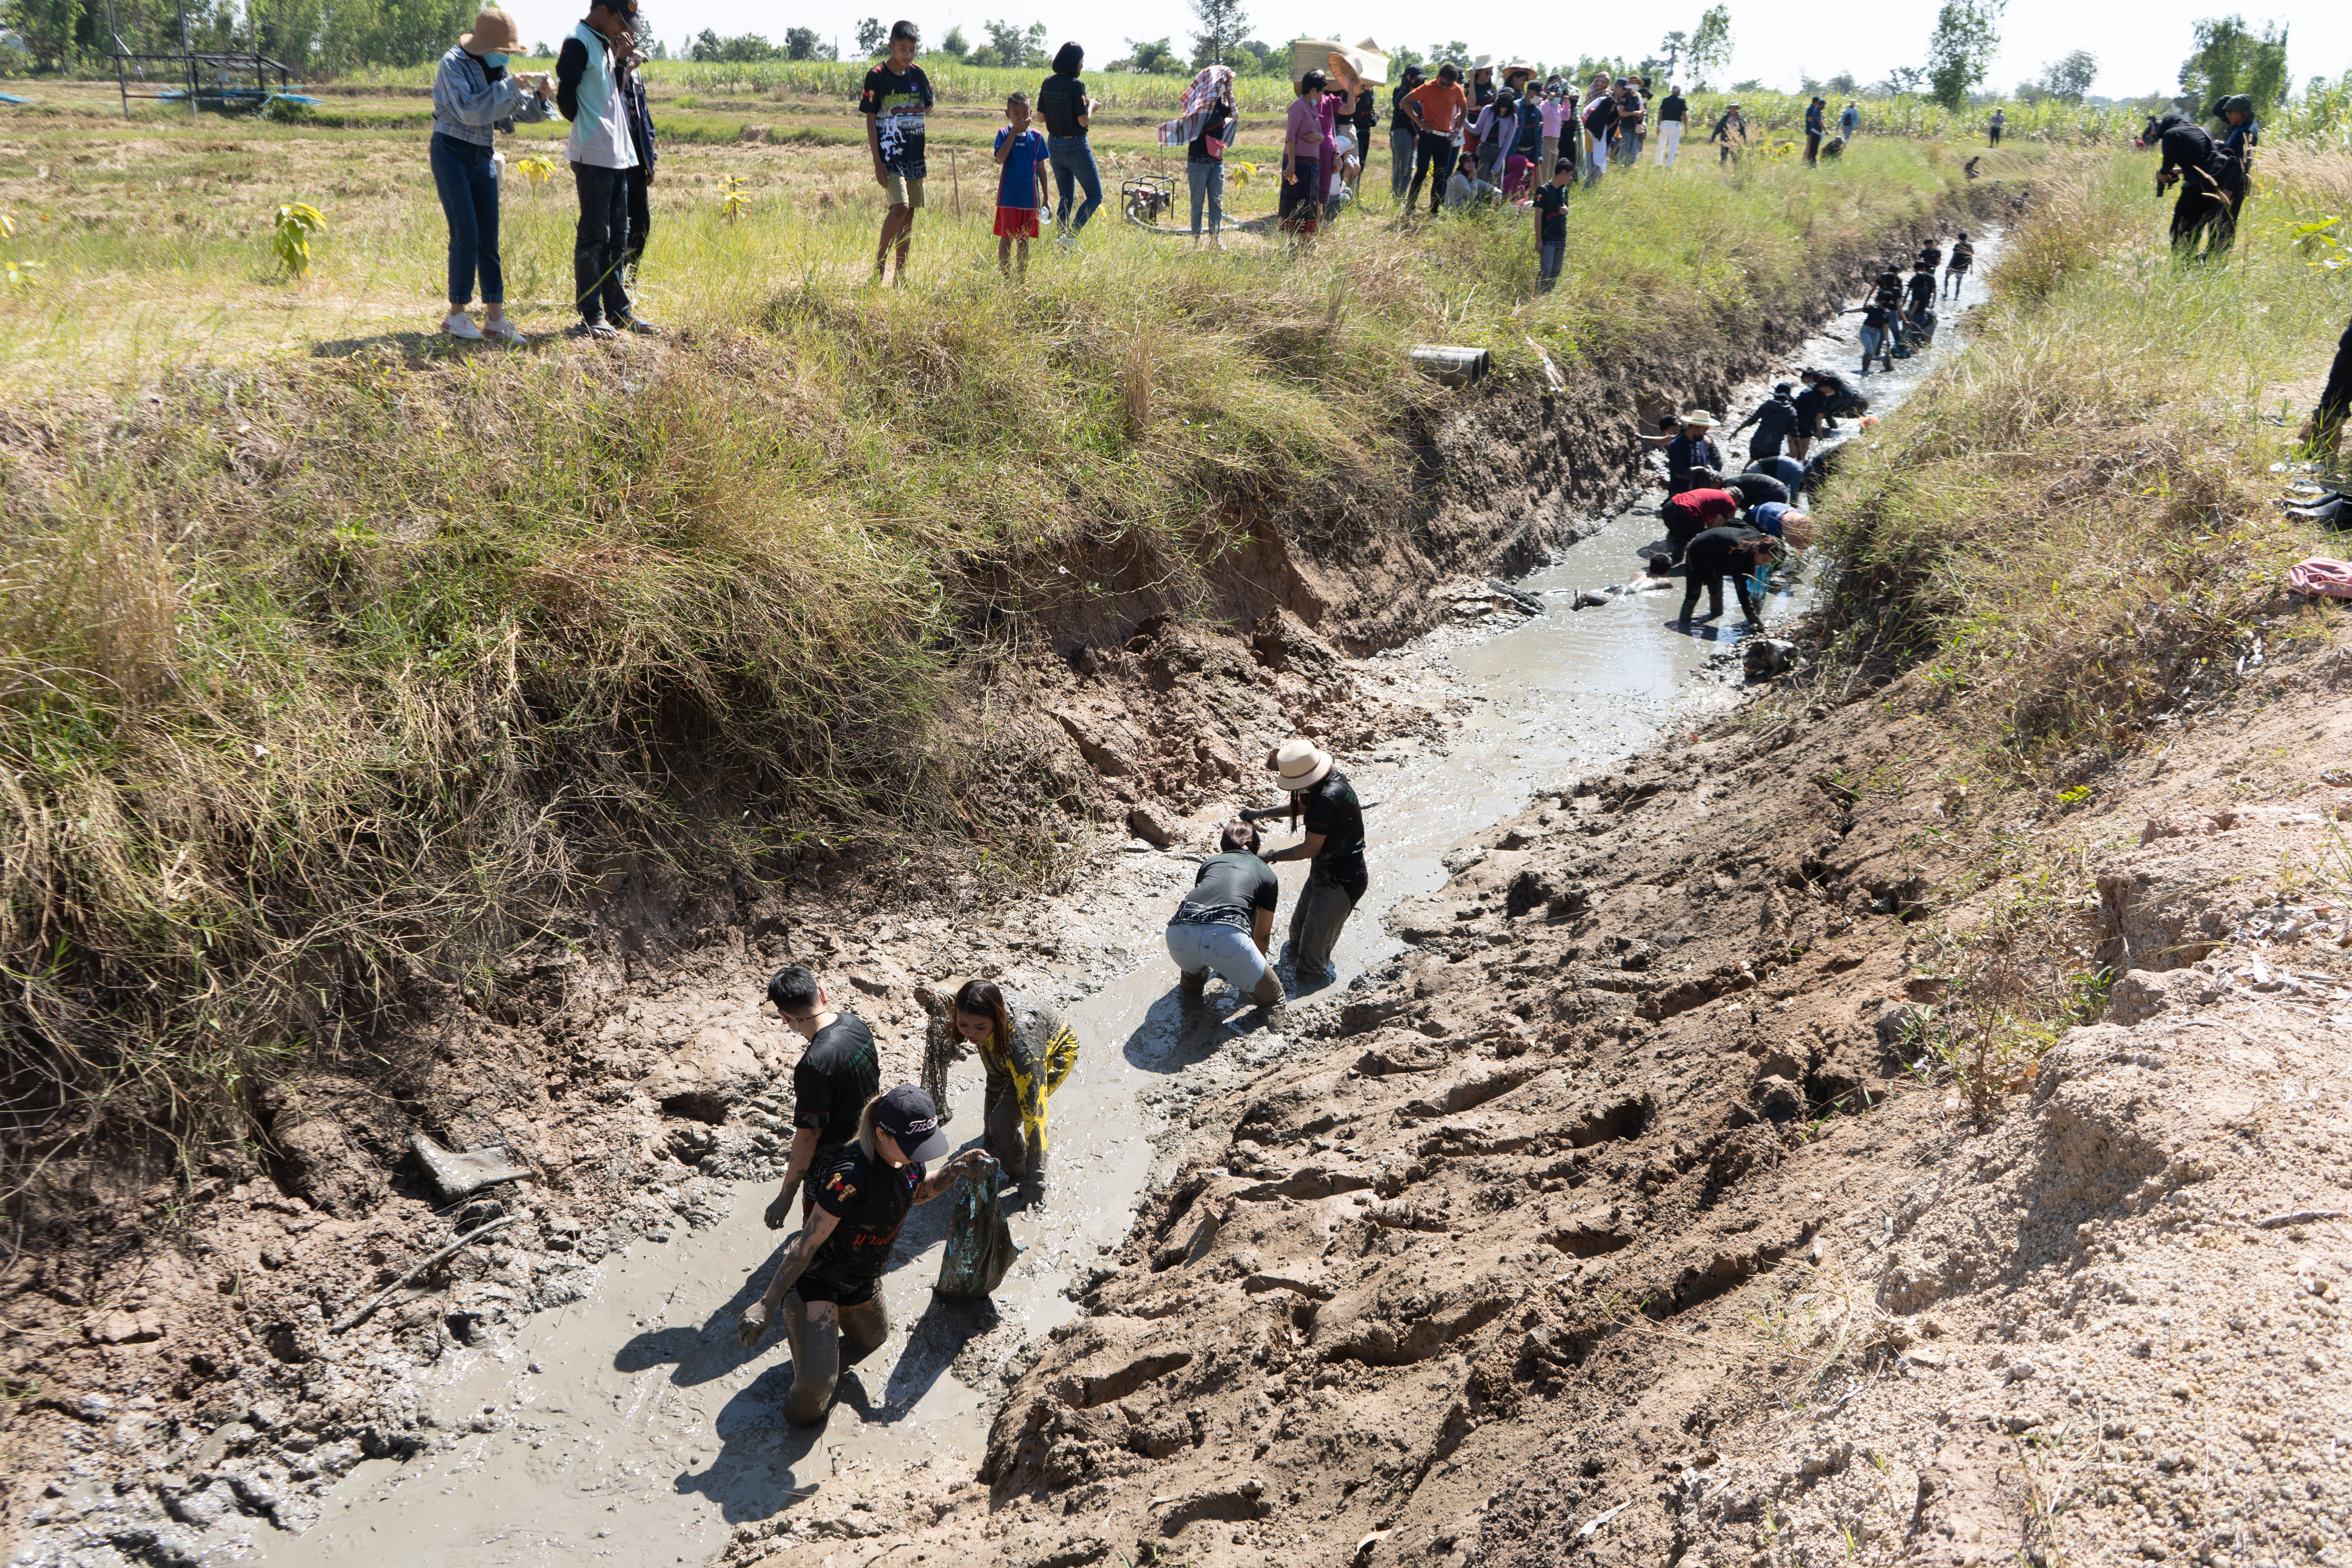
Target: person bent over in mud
pixel 1323 804
pixel 828 1284
pixel 1027 1050
pixel 1224 923
pixel 1719 552
pixel 834 1078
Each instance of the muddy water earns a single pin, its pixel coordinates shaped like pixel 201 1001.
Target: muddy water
pixel 629 1427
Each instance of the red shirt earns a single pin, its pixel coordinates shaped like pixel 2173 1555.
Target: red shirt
pixel 1707 505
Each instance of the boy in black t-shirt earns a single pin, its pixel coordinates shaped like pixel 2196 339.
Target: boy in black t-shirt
pixel 828 1282
pixel 832 1080
pixel 894 98
pixel 1551 225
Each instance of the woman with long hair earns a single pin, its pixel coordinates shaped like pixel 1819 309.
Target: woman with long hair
pixel 1027 1049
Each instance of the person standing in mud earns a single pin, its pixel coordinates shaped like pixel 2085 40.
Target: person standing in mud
pixel 1955 270
pixel 1323 805
pixel 1026 1051
pixel 828 1285
pixel 1715 554
pixel 1226 923
pixel 1775 420
pixel 834 1078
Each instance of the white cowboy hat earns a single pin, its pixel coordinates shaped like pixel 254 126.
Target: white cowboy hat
pixel 1299 765
pixel 1483 62
pixel 1702 418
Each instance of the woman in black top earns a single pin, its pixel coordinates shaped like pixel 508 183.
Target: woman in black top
pixel 1067 112
pixel 828 1282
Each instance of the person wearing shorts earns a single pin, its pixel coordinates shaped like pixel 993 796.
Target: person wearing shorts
pixel 1021 159
pixel 827 1286
pixel 894 98
pixel 1225 921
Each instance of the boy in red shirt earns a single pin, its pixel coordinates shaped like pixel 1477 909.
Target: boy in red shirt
pixel 1021 193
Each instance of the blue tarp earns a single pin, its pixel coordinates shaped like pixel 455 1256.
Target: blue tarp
pixel 12 98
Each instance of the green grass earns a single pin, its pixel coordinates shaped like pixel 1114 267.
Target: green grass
pixel 320 666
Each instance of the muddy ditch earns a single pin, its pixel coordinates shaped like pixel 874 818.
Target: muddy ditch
pixel 571 1389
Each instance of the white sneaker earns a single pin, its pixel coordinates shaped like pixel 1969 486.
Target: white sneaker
pixel 504 327
pixel 457 324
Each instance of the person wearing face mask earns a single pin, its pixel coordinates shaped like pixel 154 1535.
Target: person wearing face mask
pixel 475 97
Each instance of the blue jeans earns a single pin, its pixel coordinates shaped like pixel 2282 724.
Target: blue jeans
pixel 1207 178
pixel 1400 162
pixel 1547 260
pixel 1228 950
pixel 1073 164
pixel 469 200
pixel 600 247
pixel 1874 345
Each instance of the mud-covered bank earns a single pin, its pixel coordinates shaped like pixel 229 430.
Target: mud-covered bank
pixel 620 1062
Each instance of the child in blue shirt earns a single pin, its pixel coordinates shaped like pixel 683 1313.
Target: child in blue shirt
pixel 1020 155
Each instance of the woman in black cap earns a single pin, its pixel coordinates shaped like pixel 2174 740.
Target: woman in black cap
pixel 829 1282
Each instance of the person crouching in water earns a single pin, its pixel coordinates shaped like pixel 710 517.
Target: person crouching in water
pixel 1323 804
pixel 1027 1050
pixel 1715 554
pixel 828 1282
pixel 1224 923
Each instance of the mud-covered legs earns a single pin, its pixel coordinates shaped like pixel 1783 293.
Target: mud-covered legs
pixel 816 1331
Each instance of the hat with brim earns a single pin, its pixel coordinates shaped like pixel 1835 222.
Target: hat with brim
pixel 1343 74
pixel 1702 418
pixel 494 34
pixel 1299 765
pixel 1517 68
pixel 912 1120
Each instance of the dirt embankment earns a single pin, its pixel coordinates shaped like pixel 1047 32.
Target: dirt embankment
pixel 171 1347
pixel 1633 1218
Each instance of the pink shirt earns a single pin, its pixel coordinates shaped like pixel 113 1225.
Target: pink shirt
pixel 1302 130
pixel 1554 111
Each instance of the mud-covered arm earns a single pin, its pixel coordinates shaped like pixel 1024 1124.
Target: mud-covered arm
pixel 971 1160
pixel 798 1256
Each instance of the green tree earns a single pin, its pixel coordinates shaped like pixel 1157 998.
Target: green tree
pixel 1457 52
pixel 803 44
pixel 1221 24
pixel 954 46
pixel 1961 48
pixel 1710 44
pixel 2071 78
pixel 873 36
pixel 1154 55
pixel 1010 44
pixel 2229 59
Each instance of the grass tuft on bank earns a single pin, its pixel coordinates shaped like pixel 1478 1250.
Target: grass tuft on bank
pixel 324 668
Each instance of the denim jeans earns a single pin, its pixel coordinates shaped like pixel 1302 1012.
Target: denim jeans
pixel 1874 345
pixel 1431 154
pixel 1547 260
pixel 1400 162
pixel 469 200
pixel 600 245
pixel 1073 164
pixel 1207 178
pixel 1228 950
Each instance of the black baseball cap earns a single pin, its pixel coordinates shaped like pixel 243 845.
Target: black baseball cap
pixel 907 1114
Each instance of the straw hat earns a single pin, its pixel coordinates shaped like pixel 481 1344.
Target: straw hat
pixel 1702 418
pixel 494 34
pixel 1517 68
pixel 1299 765
pixel 1482 62
pixel 1342 73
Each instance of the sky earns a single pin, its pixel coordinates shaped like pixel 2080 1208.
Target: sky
pixel 2139 45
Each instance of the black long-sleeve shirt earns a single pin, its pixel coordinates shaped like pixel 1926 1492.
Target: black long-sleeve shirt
pixel 2190 151
pixel 570 65
pixel 1775 420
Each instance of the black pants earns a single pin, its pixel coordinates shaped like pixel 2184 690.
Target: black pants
pixel 2225 221
pixel 1431 154
pixel 1812 146
pixel 2336 401
pixel 1762 446
pixel 600 245
pixel 1693 581
pixel 641 215
pixel 2196 211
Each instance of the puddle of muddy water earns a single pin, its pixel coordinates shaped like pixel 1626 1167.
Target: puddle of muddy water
pixel 629 1427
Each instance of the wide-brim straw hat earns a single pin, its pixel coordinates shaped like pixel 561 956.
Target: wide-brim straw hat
pixel 494 34
pixel 1342 73
pixel 1702 418
pixel 1299 765
pixel 1517 68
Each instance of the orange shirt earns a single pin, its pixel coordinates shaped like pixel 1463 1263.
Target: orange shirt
pixel 1442 103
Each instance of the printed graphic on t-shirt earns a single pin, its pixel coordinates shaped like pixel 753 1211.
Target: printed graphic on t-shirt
pixel 897 103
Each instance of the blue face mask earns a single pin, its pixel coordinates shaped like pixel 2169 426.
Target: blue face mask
pixel 496 62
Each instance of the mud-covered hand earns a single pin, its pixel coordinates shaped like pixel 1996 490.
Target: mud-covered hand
pixel 752 1326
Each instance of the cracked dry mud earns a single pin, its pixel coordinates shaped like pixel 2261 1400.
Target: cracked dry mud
pixel 1620 1219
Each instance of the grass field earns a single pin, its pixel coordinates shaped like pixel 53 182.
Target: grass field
pixel 335 644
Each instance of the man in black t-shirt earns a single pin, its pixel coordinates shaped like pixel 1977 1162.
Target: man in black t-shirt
pixel 1225 921
pixel 1551 225
pixel 1672 112
pixel 834 1078
pixel 894 98
pixel 827 1284
pixel 1333 822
